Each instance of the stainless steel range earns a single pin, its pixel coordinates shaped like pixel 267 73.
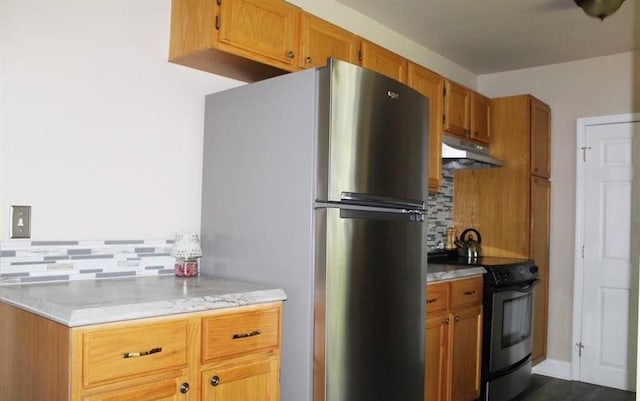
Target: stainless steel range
pixel 507 323
pixel 508 312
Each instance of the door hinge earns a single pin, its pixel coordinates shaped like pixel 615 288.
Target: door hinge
pixel 444 119
pixel 582 251
pixel 584 152
pixel 219 2
pixel 360 54
pixel 580 347
pixel 217 22
pixel 444 91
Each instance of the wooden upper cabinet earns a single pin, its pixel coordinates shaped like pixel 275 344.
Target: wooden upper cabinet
pixel 430 85
pixel 247 40
pixel 540 138
pixel 381 60
pixel 320 40
pixel 480 118
pixel 457 105
pixel 263 28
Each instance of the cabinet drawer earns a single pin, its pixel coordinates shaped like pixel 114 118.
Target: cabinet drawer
pixel 437 296
pixel 465 292
pixel 161 390
pixel 137 350
pixel 232 334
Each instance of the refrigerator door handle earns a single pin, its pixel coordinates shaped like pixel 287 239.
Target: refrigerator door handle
pixel 349 211
pixel 382 201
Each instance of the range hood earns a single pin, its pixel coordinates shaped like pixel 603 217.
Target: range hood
pixel 460 154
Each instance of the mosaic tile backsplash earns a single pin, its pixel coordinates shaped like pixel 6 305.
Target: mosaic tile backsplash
pixel 440 211
pixel 40 261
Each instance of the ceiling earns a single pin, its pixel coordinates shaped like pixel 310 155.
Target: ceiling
pixel 486 36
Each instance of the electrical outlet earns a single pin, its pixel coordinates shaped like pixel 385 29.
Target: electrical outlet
pixel 20 221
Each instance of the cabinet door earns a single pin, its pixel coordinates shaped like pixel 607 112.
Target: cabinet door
pixel 430 85
pixel 437 356
pixel 456 109
pixel 480 118
pixel 255 380
pixel 539 237
pixel 175 389
pixel 381 60
pixel 263 30
pixel 320 40
pixel 466 346
pixel 540 139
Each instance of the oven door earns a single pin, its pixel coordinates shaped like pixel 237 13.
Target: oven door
pixel 511 317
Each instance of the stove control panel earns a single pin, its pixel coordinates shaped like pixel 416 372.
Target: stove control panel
pixel 505 275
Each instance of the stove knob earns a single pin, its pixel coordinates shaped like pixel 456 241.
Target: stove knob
pixel 533 269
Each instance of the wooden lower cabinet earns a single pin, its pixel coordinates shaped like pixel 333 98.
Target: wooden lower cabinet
pixel 254 379
pixel 453 340
pixel 466 348
pixel 158 359
pixel 437 361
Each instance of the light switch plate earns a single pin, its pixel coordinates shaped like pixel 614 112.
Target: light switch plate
pixel 20 221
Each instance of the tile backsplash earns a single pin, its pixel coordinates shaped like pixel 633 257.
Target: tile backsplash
pixel 40 261
pixel 440 211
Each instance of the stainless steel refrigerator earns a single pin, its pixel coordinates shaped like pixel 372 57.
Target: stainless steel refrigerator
pixel 316 182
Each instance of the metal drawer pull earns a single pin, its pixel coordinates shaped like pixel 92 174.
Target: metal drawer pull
pixel 470 292
pixel 142 353
pixel 215 380
pixel 245 335
pixel 432 300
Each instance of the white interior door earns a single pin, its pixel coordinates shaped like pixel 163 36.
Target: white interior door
pixel 609 292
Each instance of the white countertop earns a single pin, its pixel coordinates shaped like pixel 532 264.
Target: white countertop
pixel 439 272
pixel 85 302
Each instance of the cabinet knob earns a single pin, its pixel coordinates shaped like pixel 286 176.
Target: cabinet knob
pixel 215 380
pixel 457 318
pixel 445 321
pixel 184 388
pixel 291 54
pixel 308 60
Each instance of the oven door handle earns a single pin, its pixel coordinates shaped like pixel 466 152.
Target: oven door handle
pixel 518 288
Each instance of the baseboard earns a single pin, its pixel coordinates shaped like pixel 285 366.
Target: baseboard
pixel 554 368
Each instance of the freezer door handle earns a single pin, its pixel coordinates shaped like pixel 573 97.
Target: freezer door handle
pixel 415 216
pixel 386 201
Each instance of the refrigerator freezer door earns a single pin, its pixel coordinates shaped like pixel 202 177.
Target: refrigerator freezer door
pixel 371 301
pixel 377 136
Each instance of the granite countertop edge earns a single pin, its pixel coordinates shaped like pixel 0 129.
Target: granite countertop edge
pixel 167 296
pixel 441 272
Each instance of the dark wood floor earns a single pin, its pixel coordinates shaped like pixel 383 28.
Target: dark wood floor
pixel 545 388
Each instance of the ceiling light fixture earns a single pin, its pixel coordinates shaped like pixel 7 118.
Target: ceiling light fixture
pixel 599 8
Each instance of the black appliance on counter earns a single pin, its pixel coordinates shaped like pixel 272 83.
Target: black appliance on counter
pixel 507 322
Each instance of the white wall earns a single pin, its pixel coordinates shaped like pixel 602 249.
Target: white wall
pixel 98 132
pixel 587 88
